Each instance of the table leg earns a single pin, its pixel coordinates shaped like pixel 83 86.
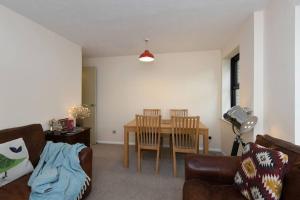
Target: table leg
pixel 205 142
pixel 126 148
pixel 198 143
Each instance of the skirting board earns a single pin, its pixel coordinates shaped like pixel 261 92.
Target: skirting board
pixel 132 143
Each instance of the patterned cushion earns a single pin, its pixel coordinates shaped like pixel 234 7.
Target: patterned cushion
pixel 261 172
pixel 14 161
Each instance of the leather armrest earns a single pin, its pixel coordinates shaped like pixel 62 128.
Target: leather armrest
pixel 86 162
pixel 214 169
pixel 291 183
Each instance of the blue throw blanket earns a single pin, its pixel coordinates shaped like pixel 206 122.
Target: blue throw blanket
pixel 59 176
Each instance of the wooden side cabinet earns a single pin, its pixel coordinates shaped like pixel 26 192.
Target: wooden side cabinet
pixel 82 136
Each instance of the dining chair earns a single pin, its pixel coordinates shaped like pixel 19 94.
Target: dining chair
pixel 176 113
pixel 148 112
pixel 152 112
pixel 148 137
pixel 185 137
pixel 179 112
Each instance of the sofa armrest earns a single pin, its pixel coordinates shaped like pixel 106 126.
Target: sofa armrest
pixel 86 162
pixel 213 169
pixel 291 183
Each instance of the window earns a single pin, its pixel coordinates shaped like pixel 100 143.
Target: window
pixel 234 80
pixel 230 80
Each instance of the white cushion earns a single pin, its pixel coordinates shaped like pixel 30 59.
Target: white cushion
pixel 14 161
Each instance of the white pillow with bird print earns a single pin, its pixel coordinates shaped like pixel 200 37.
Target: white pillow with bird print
pixel 14 161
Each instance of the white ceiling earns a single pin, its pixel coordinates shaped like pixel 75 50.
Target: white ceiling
pixel 118 27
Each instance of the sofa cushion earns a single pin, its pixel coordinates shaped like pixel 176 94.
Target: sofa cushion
pixel 201 190
pixel 14 161
pixel 261 173
pixel 16 190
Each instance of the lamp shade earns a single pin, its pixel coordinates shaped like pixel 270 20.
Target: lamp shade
pixel 241 118
pixel 146 56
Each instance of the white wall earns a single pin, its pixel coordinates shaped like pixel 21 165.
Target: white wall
pixel 297 75
pixel 177 80
pixel 258 72
pixel 40 72
pixel 274 93
pixel 249 43
pixel 279 71
pixel 244 41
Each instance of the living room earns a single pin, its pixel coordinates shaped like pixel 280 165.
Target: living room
pixel 207 59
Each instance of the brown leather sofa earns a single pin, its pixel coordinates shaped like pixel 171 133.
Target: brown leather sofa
pixel 34 139
pixel 211 177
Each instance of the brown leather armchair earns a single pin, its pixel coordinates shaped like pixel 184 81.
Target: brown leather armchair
pixel 211 177
pixel 34 139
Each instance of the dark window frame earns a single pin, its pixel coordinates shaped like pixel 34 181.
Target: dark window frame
pixel 234 84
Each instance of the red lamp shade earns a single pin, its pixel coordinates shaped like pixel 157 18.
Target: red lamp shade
pixel 147 56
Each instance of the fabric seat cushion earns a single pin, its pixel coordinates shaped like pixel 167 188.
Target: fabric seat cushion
pixel 16 190
pixel 200 190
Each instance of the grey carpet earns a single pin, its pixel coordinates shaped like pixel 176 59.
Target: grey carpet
pixel 113 182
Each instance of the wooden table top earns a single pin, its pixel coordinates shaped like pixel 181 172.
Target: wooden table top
pixel 165 124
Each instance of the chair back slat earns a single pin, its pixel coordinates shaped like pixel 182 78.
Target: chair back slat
pixel 185 131
pixel 148 130
pixel 179 112
pixel 151 112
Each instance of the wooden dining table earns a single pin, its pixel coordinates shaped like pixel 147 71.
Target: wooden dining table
pixel 166 129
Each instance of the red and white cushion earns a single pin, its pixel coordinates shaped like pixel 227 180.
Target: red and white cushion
pixel 260 175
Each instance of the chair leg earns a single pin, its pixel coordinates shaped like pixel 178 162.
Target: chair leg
pixel 161 141
pixel 171 146
pixel 174 164
pixel 161 145
pixel 136 142
pixel 157 161
pixel 139 160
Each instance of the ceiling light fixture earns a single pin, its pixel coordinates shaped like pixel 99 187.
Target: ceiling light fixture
pixel 146 56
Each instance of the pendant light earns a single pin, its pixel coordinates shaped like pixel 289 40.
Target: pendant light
pixel 146 56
